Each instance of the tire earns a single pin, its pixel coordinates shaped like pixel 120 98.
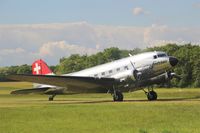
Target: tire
pixel 51 98
pixel 118 96
pixel 152 95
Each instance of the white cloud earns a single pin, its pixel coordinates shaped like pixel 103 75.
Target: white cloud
pixel 140 11
pixel 15 56
pixel 162 34
pixel 61 48
pixel 153 32
pixel 196 5
pixel 48 51
pixel 11 51
pixel 20 44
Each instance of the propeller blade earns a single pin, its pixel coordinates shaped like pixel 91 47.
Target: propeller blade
pixel 133 65
pixel 173 75
pixel 136 73
pixel 177 77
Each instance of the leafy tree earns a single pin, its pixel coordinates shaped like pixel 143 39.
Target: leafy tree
pixel 196 74
pixel 188 66
pixel 24 69
pixel 111 54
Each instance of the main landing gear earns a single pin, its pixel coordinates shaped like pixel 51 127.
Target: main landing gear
pixel 151 94
pixel 117 96
pixel 51 97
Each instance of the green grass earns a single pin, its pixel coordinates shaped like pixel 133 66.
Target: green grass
pixel 176 111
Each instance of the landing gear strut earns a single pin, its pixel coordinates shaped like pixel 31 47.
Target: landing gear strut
pixel 51 97
pixel 151 94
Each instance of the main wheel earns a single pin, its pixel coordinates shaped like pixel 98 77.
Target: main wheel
pixel 51 97
pixel 152 95
pixel 118 96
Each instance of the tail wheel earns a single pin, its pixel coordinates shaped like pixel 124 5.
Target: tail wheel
pixel 152 95
pixel 118 96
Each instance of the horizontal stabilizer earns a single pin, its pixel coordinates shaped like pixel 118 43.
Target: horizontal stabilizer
pixel 29 91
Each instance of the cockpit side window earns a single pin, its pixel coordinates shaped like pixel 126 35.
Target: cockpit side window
pixel 162 55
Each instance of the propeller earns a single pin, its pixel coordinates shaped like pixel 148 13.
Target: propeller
pixel 136 73
pixel 173 75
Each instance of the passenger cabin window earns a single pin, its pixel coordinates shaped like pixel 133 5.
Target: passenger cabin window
pixel 155 56
pixel 162 55
pixel 103 73
pixel 96 75
pixel 118 69
pixel 125 67
pixel 110 71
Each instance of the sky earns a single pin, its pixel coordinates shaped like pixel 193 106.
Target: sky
pixel 52 29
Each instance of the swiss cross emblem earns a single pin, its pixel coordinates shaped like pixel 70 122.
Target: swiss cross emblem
pixel 37 68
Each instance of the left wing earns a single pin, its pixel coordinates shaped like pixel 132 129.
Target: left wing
pixel 67 81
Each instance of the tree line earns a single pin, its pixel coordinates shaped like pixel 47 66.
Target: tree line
pixel 188 66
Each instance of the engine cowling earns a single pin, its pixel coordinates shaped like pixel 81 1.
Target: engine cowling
pixel 163 78
pixel 124 75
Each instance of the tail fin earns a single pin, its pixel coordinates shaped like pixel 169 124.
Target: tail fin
pixel 40 67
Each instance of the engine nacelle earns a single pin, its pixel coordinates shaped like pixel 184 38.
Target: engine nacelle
pixel 163 78
pixel 143 72
pixel 55 90
pixel 124 75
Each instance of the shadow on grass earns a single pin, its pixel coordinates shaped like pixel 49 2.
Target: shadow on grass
pixel 80 102
pixel 197 98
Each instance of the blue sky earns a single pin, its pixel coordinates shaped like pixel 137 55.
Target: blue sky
pixel 109 12
pixel 52 29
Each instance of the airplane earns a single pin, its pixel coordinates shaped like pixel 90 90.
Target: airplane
pixel 124 75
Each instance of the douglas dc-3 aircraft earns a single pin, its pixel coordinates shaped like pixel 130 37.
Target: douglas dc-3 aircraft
pixel 128 74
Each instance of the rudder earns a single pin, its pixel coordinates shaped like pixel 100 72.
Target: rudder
pixel 39 67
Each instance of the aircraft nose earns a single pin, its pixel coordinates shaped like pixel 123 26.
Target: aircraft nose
pixel 173 61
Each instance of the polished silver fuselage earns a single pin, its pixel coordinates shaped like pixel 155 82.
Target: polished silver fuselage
pixel 149 65
pixel 123 68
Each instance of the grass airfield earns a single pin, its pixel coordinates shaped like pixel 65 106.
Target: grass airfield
pixel 175 111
